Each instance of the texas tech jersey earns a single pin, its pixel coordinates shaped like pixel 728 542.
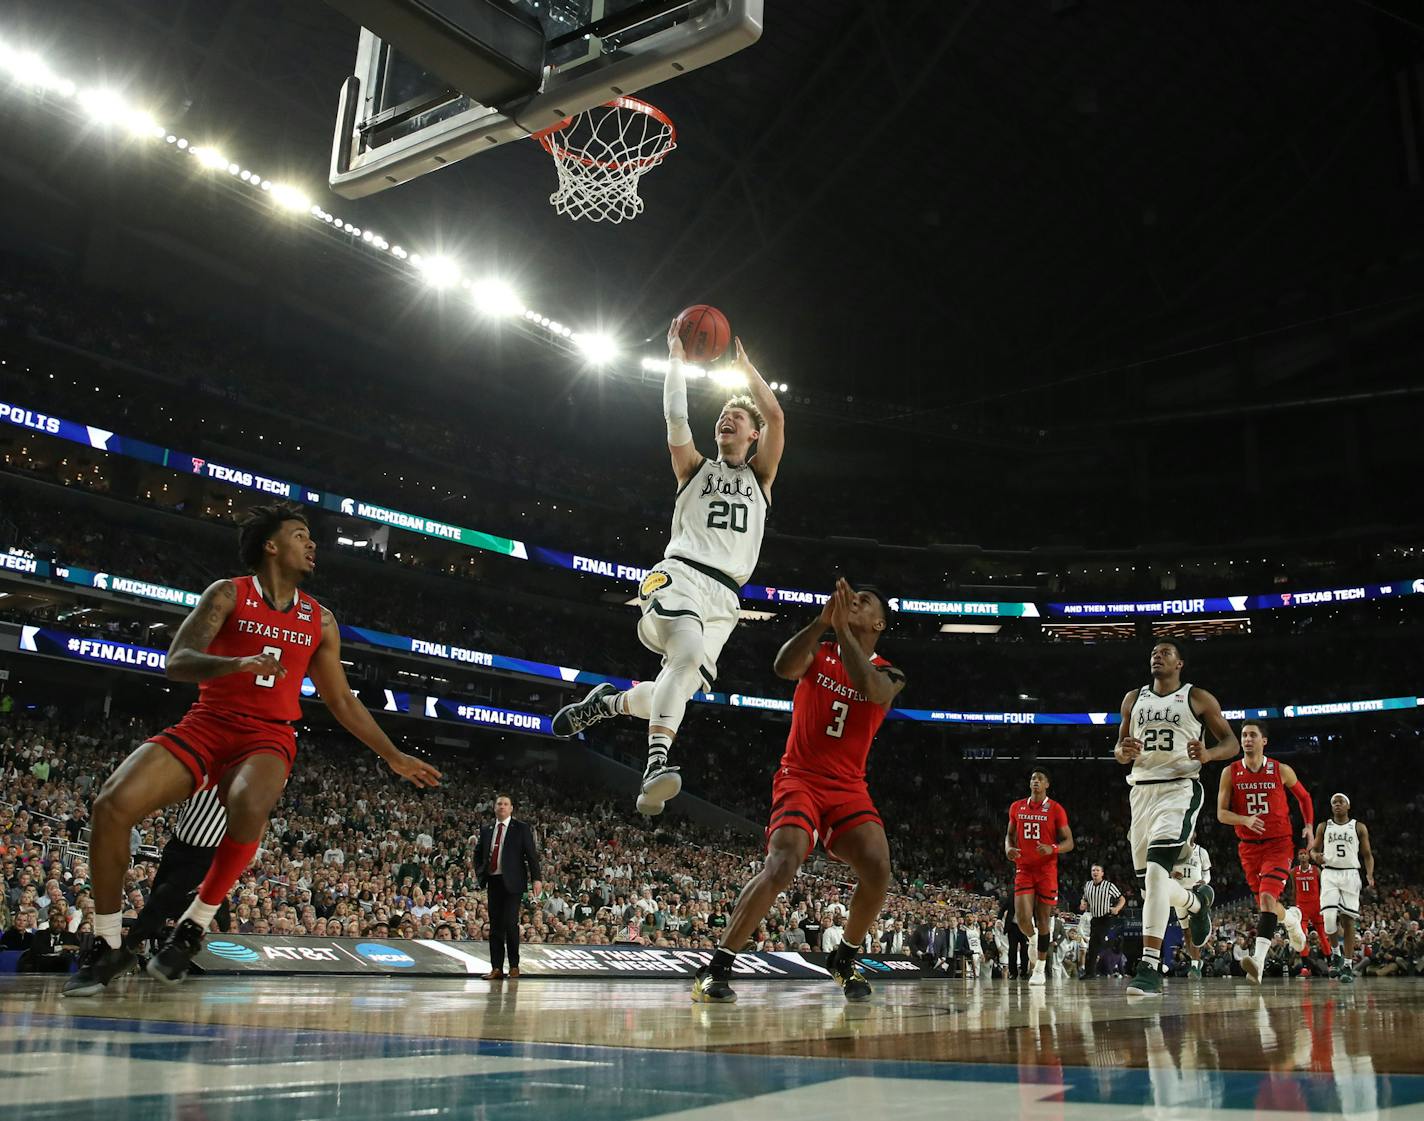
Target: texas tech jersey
pixel 1034 823
pixel 1260 794
pixel 718 519
pixel 256 627
pixel 1307 887
pixel 1165 725
pixel 832 723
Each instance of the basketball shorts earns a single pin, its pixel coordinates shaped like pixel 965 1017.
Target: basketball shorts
pixel 823 807
pixel 1267 863
pixel 1040 879
pixel 1340 892
pixel 1164 817
pixel 210 742
pixel 673 589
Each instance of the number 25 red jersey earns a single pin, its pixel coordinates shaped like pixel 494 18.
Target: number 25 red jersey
pixel 832 723
pixel 1036 823
pixel 255 627
pixel 1260 794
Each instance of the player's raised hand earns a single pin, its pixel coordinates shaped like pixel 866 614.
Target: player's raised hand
pixel 1196 751
pixel 675 348
pixel 741 361
pixel 263 665
pixel 841 600
pixel 416 771
pixel 1128 748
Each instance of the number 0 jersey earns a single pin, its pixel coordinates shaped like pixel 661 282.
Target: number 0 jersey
pixel 832 723
pixel 719 518
pixel 1165 725
pixel 255 627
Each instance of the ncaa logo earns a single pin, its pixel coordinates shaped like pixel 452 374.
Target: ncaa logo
pixel 385 955
pixel 231 951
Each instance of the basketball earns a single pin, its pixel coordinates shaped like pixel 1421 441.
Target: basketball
pixel 705 333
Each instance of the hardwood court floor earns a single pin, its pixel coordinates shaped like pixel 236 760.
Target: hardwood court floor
pixel 269 1049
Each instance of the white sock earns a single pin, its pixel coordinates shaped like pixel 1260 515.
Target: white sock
pixel 1262 945
pixel 637 701
pixel 110 928
pixel 1159 896
pixel 201 913
pixel 658 745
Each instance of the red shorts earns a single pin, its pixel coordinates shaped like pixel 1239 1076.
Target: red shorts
pixel 1040 879
pixel 1267 864
pixel 210 742
pixel 823 807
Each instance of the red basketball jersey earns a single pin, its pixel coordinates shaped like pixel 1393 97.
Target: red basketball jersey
pixel 1036 823
pixel 831 723
pixel 1307 887
pixel 1262 794
pixel 254 627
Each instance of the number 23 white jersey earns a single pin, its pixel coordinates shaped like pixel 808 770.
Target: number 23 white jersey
pixel 719 518
pixel 1165 725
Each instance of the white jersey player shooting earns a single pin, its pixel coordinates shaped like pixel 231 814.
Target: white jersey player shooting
pixel 690 599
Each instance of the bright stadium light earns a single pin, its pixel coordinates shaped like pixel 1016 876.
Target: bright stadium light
pixel 495 298
pixel 210 158
pixel 104 106
pixel 598 349
pixel 439 272
pixel 289 198
pixel 660 366
pixel 729 378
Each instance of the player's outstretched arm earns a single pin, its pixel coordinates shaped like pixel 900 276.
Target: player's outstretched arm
pixel 1209 709
pixel 1129 747
pixel 1302 796
pixel 772 441
pixel 329 677
pixel 685 459
pixel 187 657
pixel 799 651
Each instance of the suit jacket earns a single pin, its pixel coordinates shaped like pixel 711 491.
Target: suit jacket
pixel 518 862
pixel 929 942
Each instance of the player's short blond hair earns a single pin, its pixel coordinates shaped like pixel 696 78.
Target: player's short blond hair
pixel 742 401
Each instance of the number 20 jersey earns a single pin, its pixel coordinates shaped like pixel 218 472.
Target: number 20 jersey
pixel 1165 725
pixel 719 518
pixel 832 723
pixel 254 626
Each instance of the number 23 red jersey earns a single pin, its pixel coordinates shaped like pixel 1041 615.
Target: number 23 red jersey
pixel 255 627
pixel 832 723
pixel 1260 794
pixel 1036 823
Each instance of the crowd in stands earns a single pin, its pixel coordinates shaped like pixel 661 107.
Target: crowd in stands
pixel 352 851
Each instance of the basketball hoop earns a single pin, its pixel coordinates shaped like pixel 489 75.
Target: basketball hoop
pixel 601 154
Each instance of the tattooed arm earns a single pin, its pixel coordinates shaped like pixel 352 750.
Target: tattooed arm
pixel 187 660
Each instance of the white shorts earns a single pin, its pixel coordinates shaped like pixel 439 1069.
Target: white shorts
pixel 1340 891
pixel 1164 817
pixel 673 589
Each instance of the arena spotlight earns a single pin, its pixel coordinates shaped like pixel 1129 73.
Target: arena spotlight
pixel 289 198
pixel 210 158
pixel 103 106
pixel 660 366
pixel 598 349
pixel 439 272
pixel 727 377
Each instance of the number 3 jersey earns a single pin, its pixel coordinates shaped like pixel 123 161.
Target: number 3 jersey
pixel 832 723
pixel 719 518
pixel 255 627
pixel 1165 725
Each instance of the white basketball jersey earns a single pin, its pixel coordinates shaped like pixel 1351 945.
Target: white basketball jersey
pixel 1165 725
pixel 719 518
pixel 1194 868
pixel 1342 846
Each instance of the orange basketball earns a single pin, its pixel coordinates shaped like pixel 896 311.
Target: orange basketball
pixel 705 333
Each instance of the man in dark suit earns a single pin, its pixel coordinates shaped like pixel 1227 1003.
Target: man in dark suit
pixel 506 861
pixel 928 944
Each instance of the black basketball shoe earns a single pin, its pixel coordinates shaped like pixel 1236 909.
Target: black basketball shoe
pixel 573 719
pixel 708 988
pixel 98 967
pixel 170 964
pixel 846 970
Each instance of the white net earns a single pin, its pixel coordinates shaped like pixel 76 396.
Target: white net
pixel 601 155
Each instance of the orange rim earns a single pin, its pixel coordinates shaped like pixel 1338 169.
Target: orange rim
pixel 545 136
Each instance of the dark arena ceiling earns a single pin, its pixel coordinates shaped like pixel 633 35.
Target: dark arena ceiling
pixel 1066 246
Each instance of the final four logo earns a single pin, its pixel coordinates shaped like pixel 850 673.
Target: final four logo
pixel 652 582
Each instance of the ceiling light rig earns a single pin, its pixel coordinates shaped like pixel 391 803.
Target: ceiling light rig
pixel 107 109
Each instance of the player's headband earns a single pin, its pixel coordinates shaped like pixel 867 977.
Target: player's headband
pixel 1337 794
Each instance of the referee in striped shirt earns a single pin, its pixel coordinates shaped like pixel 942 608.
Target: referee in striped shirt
pixel 1104 901
pixel 202 821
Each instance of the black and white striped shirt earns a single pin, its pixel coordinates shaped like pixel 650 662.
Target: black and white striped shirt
pixel 1101 897
pixel 202 820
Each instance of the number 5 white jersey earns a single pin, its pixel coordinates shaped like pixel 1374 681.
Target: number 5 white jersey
pixel 1165 725
pixel 719 518
pixel 1341 846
